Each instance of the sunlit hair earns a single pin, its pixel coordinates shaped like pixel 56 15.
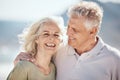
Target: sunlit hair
pixel 29 35
pixel 91 11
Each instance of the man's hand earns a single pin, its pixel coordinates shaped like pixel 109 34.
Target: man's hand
pixel 24 56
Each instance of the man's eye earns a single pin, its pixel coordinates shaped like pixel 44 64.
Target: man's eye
pixel 74 30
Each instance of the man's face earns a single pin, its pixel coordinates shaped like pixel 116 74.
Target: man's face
pixel 77 33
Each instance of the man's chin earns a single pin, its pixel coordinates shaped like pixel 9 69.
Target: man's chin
pixel 71 44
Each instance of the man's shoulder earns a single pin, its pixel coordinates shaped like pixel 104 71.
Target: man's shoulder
pixel 108 48
pixel 112 51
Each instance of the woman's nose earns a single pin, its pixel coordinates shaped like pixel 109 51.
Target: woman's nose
pixel 51 37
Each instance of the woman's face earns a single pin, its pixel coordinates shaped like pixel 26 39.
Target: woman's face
pixel 49 38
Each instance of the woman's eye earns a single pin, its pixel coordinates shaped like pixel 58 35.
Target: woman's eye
pixel 45 34
pixel 56 35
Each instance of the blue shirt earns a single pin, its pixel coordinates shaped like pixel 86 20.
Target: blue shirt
pixel 100 63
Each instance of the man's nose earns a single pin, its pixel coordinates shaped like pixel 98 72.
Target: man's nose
pixel 69 32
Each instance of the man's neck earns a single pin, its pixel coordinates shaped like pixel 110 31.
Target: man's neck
pixel 86 47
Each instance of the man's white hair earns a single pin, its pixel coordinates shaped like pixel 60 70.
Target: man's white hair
pixel 91 11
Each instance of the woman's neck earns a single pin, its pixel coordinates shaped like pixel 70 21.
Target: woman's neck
pixel 43 62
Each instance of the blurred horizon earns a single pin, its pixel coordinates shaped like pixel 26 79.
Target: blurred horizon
pixel 14 20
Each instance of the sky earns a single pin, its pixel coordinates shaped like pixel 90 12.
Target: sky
pixel 34 9
pixel 114 1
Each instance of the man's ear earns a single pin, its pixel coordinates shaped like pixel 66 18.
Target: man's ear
pixel 94 31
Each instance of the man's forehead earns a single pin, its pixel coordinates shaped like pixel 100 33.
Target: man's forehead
pixel 74 20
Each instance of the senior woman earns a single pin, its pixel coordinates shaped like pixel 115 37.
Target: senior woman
pixel 41 41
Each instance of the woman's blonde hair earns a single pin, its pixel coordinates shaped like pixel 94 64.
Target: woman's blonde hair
pixel 29 35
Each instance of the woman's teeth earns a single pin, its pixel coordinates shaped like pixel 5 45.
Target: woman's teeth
pixel 50 45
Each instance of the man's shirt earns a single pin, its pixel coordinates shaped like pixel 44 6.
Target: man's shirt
pixel 100 63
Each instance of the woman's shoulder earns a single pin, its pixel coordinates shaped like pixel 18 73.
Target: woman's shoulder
pixel 25 64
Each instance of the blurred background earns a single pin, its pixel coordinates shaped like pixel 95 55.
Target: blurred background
pixel 15 15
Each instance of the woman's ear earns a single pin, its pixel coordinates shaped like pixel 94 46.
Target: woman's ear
pixel 36 40
pixel 61 40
